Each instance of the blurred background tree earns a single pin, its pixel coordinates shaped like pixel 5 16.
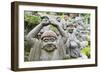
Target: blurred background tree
pixel 30 21
pixel 86 17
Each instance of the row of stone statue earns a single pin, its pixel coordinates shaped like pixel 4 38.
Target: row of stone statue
pixel 66 43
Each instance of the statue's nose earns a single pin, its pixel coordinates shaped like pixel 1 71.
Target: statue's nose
pixel 50 43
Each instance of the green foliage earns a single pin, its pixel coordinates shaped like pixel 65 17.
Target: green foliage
pixel 27 48
pixel 86 18
pixel 85 15
pixel 86 51
pixel 53 28
pixel 32 19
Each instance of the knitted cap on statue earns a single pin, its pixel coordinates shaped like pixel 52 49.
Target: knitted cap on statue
pixel 49 33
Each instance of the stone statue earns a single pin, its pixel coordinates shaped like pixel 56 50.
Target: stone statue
pixel 73 44
pixel 75 39
pixel 49 46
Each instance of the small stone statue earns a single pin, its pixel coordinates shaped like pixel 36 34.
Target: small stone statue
pixel 73 44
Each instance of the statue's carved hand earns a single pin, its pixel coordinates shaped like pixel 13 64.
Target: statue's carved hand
pixel 45 22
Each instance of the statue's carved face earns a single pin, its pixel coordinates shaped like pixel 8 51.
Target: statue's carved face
pixel 71 28
pixel 49 43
